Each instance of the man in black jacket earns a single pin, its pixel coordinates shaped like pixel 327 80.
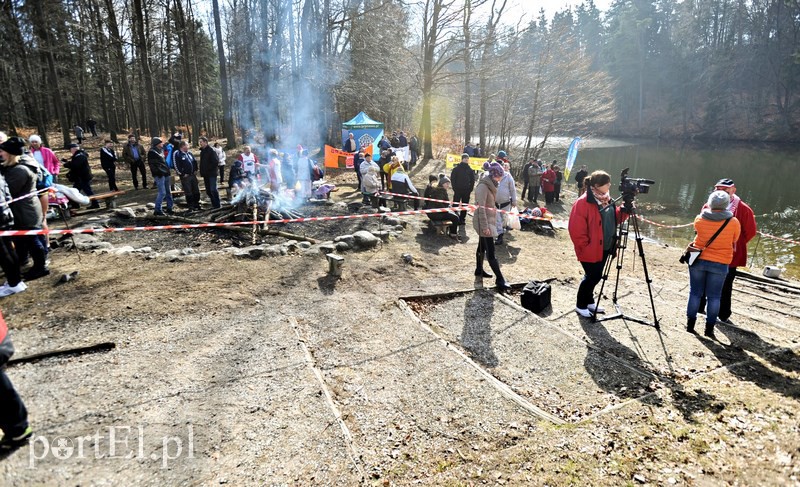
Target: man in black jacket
pixel 108 161
pixel 161 173
pixel 80 173
pixel 186 167
pixel 208 170
pixel 463 181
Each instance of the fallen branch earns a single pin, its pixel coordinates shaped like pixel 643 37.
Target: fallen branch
pixel 99 347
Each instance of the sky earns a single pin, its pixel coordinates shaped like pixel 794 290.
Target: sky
pixel 530 8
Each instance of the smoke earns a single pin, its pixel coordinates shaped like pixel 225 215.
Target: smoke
pixel 288 90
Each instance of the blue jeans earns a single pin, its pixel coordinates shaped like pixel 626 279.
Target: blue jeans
pixel 162 183
pixel 211 190
pixel 706 278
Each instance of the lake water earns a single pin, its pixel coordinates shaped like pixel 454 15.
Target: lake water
pixel 767 178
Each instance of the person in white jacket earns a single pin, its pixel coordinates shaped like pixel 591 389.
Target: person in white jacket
pixel 506 199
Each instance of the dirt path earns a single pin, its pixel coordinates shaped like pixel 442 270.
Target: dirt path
pixel 276 373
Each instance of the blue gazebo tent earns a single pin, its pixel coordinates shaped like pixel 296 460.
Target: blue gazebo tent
pixel 365 130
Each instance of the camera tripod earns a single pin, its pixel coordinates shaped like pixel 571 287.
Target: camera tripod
pixel 620 245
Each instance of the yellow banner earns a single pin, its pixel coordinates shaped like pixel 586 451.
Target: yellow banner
pixel 450 161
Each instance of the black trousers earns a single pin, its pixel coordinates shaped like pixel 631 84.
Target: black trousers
pixel 524 189
pixel 486 249
pixel 111 172
pixel 191 190
pixel 462 197
pixel 9 262
pixel 593 274
pixel 222 174
pixel 13 415
pixel 138 166
pixel 30 245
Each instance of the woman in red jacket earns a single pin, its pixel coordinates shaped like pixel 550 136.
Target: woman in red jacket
pixel 549 185
pixel 592 227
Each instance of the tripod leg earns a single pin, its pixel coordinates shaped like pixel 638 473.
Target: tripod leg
pixel 644 265
pixel 604 278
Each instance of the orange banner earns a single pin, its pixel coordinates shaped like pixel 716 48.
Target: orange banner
pixel 338 158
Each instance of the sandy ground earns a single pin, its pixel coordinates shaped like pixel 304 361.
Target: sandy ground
pixel 271 372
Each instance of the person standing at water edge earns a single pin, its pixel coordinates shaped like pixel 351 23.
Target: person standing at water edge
pixel 707 274
pixel 592 228
pixel 747 221
pixel 485 223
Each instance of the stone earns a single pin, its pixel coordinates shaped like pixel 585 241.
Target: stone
pixel 342 246
pixel 365 239
pixel 326 247
pixel 143 250
pixel 125 249
pixel 253 252
pixel 382 235
pixel 304 245
pixel 399 228
pixel 125 213
pixel 152 255
pixel 95 246
pixel 391 221
pixel 151 206
pixel 346 238
pixel 275 251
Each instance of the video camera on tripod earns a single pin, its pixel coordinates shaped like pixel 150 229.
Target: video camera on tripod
pixel 630 187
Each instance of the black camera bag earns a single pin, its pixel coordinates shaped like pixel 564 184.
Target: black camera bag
pixel 536 296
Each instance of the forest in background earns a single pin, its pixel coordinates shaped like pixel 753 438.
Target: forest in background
pixel 287 72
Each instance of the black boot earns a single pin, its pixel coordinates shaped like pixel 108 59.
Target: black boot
pixel 479 272
pixel 499 240
pixel 690 324
pixel 710 331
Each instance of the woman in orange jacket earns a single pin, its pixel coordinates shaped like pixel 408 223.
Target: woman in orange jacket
pixel 707 274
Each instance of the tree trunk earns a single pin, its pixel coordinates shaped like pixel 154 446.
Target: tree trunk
pixel 147 75
pixel 41 26
pixel 227 118
pixel 467 72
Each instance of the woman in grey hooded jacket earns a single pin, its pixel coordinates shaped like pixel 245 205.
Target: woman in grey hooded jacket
pixel 484 221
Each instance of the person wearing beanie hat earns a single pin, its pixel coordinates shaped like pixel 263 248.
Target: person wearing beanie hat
pixel 717 231
pixel 747 222
pixel 20 173
pixel 484 221
pixel 44 156
pixel 549 185
pixel 592 227
pixel 439 193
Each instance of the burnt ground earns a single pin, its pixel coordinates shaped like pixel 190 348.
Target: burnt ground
pixel 270 371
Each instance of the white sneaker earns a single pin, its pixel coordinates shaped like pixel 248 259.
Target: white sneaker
pixel 584 312
pixel 7 290
pixel 595 309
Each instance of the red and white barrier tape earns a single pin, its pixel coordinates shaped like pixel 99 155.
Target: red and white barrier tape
pixel 463 206
pixel 34 193
pixel 22 233
pixel 779 238
pixel 662 225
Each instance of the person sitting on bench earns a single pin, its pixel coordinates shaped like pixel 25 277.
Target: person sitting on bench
pixel 440 193
pixel 401 184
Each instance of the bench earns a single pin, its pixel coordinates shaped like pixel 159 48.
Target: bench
pixel 110 198
pixel 398 202
pixel 439 226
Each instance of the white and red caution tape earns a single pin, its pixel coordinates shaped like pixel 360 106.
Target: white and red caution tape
pixel 779 238
pixel 185 226
pixel 463 206
pixel 662 225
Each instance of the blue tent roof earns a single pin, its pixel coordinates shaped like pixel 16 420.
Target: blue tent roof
pixel 362 121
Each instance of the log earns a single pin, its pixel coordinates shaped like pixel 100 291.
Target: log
pixel 99 347
pixel 290 236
